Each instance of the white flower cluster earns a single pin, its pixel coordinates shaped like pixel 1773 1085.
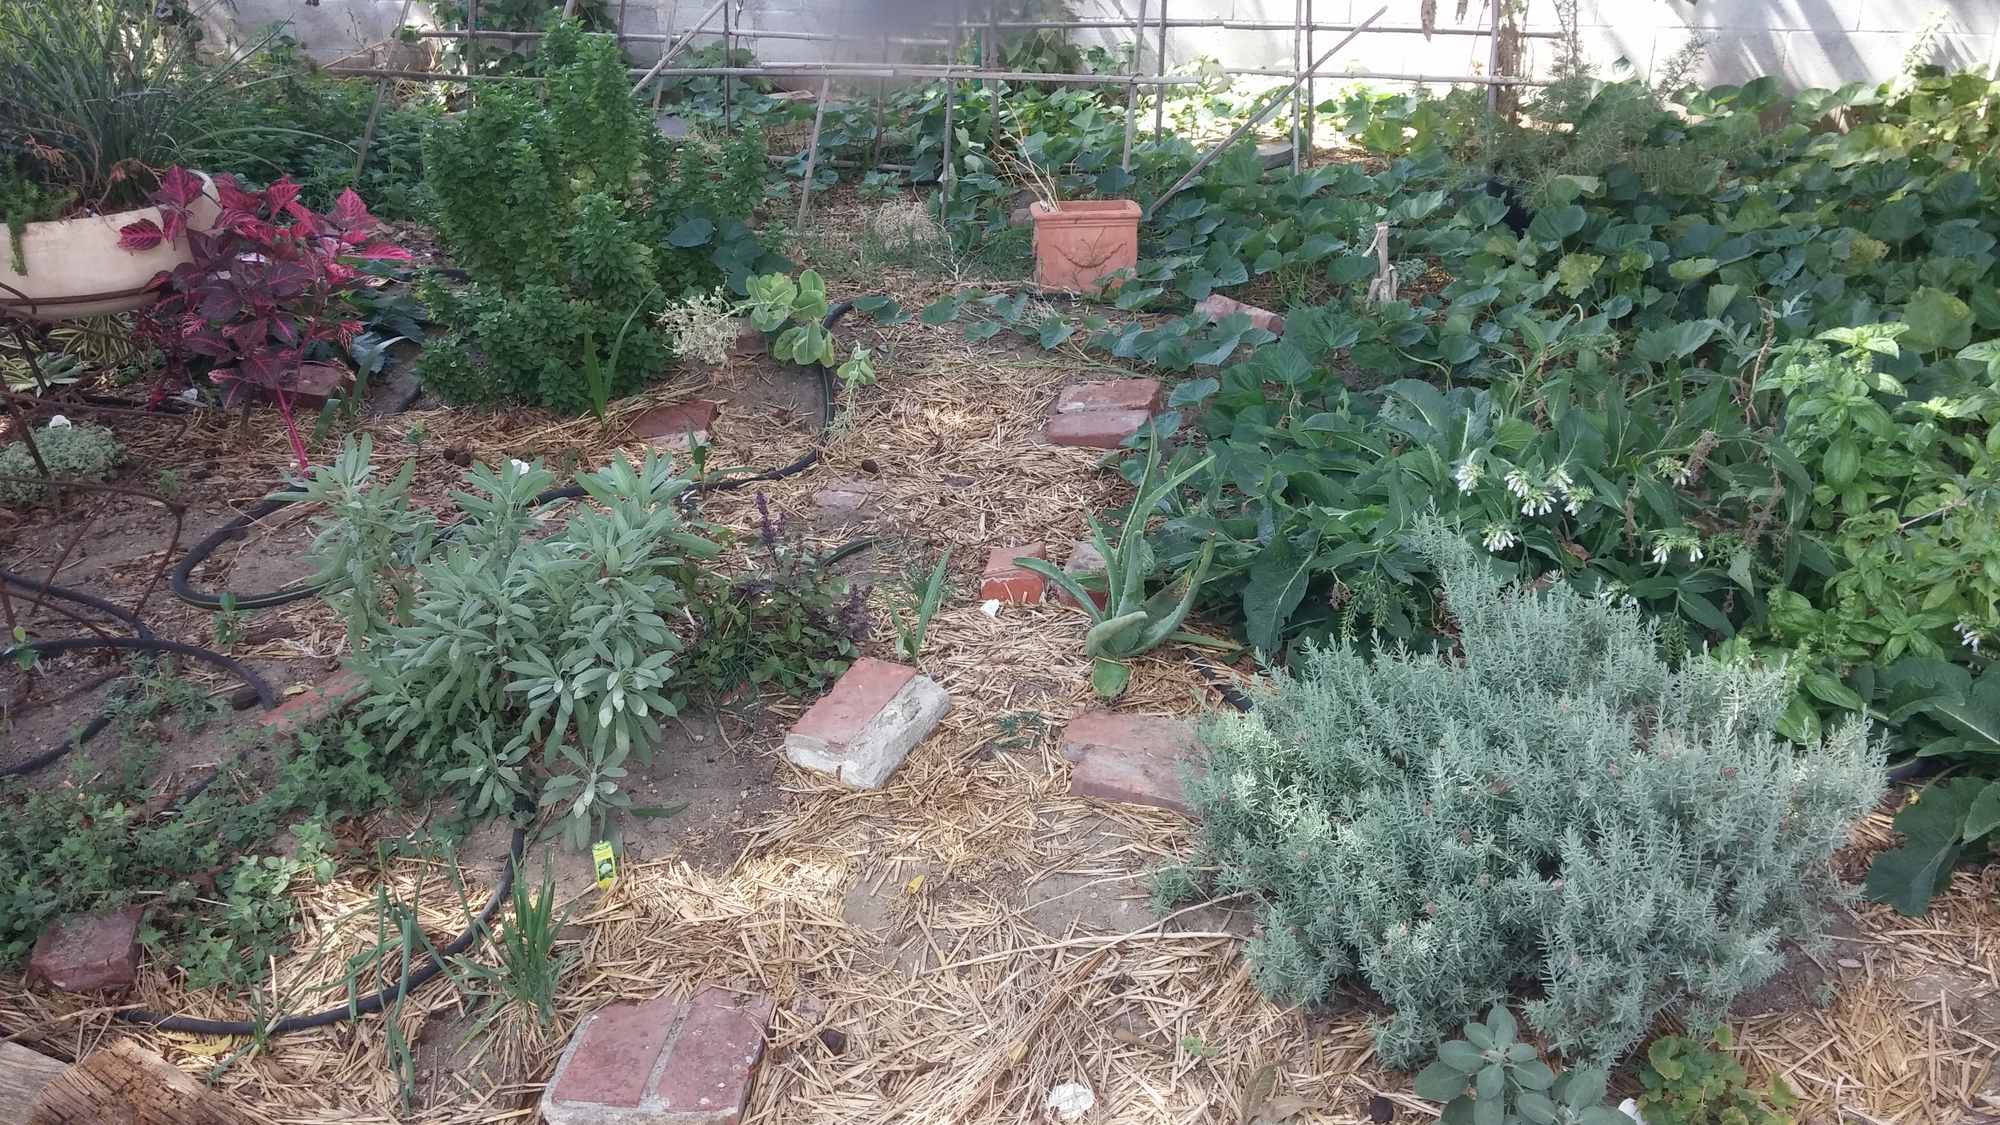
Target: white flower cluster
pixel 1969 634
pixel 1666 544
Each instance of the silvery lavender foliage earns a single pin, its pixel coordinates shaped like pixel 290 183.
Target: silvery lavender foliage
pixel 1551 805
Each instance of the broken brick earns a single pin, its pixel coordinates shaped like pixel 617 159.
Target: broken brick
pixel 1010 582
pixel 89 952
pixel 320 701
pixel 1216 306
pixel 862 730
pixel 1132 759
pixel 1110 394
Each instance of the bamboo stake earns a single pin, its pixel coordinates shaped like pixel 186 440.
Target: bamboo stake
pixel 1298 63
pixel 1132 89
pixel 674 47
pixel 812 153
pixel 1160 105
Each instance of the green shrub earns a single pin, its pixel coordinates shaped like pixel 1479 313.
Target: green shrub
pixel 522 667
pixel 578 222
pixel 78 451
pixel 1550 802
pixel 1491 1076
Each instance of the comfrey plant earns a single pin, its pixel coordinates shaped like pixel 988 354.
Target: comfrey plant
pixel 1549 802
pixel 528 667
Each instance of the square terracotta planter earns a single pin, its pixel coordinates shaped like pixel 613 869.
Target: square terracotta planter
pixel 1080 243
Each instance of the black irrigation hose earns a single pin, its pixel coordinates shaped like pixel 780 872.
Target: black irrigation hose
pixel 362 1006
pixel 128 644
pixel 181 583
pixel 110 609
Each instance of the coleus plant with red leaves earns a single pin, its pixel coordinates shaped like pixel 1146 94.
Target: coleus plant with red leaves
pixel 268 281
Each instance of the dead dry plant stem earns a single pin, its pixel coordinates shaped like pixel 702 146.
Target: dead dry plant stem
pixel 1106 943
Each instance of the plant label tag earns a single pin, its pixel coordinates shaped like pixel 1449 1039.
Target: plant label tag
pixel 606 863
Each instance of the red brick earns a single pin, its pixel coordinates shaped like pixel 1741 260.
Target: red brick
pixel 663 1061
pixel 1084 561
pixel 1008 581
pixel 677 426
pixel 1216 306
pixel 89 952
pixel 615 1053
pixel 1095 429
pixel 715 1055
pixel 326 698
pixel 858 696
pixel 1133 759
pixel 1112 394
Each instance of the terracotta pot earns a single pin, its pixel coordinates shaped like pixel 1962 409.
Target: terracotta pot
pixel 1079 243
pixel 76 267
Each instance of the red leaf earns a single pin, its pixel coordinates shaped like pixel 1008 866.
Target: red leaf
pixel 236 201
pixel 142 235
pixel 280 196
pixel 383 251
pixel 179 187
pixel 349 213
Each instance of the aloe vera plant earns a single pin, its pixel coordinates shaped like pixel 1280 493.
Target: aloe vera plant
pixel 1130 623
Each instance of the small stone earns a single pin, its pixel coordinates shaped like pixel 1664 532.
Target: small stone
pixel 1008 581
pixel 672 126
pixel 750 341
pixel 662 1061
pixel 678 426
pixel 1216 306
pixel 834 1040
pixel 863 729
pixel 1083 562
pixel 1020 217
pixel 848 499
pixel 1132 759
pixel 325 699
pixel 89 952
pixel 1275 154
pixel 1849 963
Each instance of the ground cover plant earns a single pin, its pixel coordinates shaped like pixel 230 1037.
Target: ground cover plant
pixel 578 222
pixel 1549 801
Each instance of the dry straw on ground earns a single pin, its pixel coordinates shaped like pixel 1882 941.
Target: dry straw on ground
pixel 970 936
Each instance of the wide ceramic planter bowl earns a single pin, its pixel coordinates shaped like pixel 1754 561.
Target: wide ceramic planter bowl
pixel 76 267
pixel 1080 244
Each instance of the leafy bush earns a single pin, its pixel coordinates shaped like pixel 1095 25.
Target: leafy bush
pixel 1548 802
pixel 96 97
pixel 74 451
pixel 263 296
pixel 1691 1083
pixel 217 891
pixel 578 222
pixel 790 622
pixel 522 667
pixel 280 117
pixel 1489 1076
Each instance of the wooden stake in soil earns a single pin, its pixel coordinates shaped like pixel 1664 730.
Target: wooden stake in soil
pixel 812 154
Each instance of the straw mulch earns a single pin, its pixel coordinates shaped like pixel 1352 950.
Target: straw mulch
pixel 949 948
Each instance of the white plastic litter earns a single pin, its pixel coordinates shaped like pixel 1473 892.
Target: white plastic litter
pixel 1630 1108
pixel 520 466
pixel 991 608
pixel 58 422
pixel 1071 1100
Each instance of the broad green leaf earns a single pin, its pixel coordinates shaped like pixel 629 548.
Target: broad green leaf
pixel 1691 269
pixel 691 231
pixel 1933 827
pixel 1937 320
pixel 1278 580
pixel 1439 1082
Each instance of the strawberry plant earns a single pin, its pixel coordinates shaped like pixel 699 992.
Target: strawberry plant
pixel 265 298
